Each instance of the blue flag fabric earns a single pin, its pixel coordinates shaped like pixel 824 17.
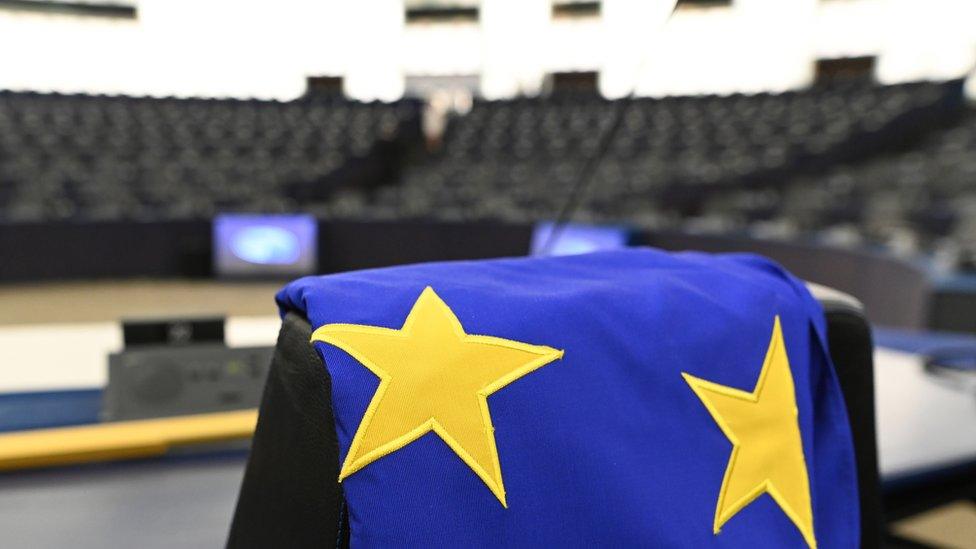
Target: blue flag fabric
pixel 622 440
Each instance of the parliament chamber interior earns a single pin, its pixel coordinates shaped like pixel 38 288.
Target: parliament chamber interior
pixel 473 273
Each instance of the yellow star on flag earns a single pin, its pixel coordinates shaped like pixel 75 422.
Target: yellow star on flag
pixel 433 377
pixel 767 450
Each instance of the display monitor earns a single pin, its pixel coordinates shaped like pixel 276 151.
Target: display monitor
pixel 577 238
pixel 248 245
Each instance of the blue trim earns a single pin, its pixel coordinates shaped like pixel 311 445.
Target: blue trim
pixel 900 481
pixel 925 343
pixel 956 283
pixel 37 410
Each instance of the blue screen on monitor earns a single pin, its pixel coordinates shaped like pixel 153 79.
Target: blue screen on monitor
pixel 577 238
pixel 264 245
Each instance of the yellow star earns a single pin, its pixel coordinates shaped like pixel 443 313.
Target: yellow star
pixel 433 377
pixel 767 450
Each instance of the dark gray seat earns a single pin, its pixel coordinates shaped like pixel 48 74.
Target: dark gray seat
pixel 290 496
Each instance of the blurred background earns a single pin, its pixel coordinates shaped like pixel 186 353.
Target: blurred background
pixel 165 166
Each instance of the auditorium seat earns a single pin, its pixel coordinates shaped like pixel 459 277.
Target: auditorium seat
pixel 290 495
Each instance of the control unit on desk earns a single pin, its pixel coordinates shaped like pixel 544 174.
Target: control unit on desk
pixel 185 375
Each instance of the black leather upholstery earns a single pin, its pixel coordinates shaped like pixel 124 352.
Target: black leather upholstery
pixel 851 350
pixel 290 496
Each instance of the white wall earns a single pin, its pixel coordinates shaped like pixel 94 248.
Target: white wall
pixel 79 360
pixel 267 48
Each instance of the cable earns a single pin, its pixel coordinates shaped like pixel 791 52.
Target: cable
pixel 583 180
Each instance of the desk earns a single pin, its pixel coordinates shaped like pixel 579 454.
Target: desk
pixel 925 424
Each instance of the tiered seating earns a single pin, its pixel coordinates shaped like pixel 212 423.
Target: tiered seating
pixel 91 158
pixel 504 160
pixel 856 164
pixel 667 157
pixel 921 199
pixel 510 160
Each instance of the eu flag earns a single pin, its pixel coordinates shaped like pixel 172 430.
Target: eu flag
pixel 626 398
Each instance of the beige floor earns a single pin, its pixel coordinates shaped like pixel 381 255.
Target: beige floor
pixel 952 526
pixel 112 300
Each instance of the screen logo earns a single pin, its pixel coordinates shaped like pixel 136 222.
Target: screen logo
pixel 261 245
pixel 266 245
pixel 577 238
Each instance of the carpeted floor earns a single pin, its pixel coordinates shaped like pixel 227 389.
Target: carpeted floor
pixel 112 300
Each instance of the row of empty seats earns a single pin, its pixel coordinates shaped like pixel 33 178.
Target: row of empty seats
pixel 517 159
pixel 857 164
pixel 922 199
pixel 92 158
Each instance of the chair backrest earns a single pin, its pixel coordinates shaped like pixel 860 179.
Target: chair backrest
pixel 290 496
pixel 852 352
